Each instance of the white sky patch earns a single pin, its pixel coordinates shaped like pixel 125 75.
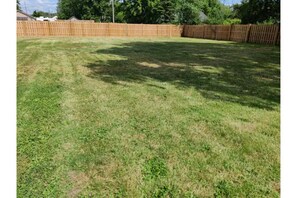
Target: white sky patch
pixel 40 1
pixel 230 2
pixel 40 5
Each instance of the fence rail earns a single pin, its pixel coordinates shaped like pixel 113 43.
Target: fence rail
pixel 40 28
pixel 264 34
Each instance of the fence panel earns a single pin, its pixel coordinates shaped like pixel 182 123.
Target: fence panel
pixel 69 28
pixel 150 30
pixel 186 31
pixel 238 33
pixel 210 32
pixel 222 32
pixel 263 34
pixel 117 29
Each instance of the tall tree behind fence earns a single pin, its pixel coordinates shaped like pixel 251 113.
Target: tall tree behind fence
pixel 264 34
pixel 39 28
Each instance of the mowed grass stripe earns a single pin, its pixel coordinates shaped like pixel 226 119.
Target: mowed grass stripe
pixel 38 117
pixel 137 121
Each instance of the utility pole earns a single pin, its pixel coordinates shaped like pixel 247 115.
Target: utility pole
pixel 25 7
pixel 112 2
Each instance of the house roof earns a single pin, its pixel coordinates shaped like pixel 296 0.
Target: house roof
pixel 202 16
pixel 29 16
pixel 73 18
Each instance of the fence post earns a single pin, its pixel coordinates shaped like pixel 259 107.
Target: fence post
pixel 71 31
pixel 276 34
pixel 49 29
pixel 127 29
pixel 185 31
pixel 248 33
pixel 203 31
pixel 25 28
pixel 109 29
pixel 230 30
pixel 182 30
pixel 142 30
pixel 170 27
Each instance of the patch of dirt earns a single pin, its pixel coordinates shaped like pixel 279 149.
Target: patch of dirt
pixel 276 186
pixel 27 72
pixel 242 126
pixel 107 170
pixel 79 181
pixel 133 178
pixel 146 64
pixel 139 136
pixel 67 146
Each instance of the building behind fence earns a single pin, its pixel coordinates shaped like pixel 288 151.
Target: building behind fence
pixel 264 34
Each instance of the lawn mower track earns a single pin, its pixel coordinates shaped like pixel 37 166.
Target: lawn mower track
pixel 147 118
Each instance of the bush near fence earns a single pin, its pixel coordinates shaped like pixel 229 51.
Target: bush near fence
pixel 264 34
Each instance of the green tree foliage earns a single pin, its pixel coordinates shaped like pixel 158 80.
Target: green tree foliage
pixel 44 14
pixel 149 11
pixel 146 11
pixel 188 12
pixel 98 10
pixel 141 11
pixel 231 21
pixel 36 13
pixel 18 6
pixel 166 11
pixel 217 12
pixel 258 11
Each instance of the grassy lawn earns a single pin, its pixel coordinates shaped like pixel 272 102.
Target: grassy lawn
pixel 111 117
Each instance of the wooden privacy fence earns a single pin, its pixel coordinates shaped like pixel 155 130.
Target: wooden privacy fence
pixel 264 34
pixel 40 28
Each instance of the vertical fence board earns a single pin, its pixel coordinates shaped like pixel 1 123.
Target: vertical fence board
pixel 275 37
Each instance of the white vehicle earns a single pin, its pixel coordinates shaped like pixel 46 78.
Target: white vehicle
pixel 41 18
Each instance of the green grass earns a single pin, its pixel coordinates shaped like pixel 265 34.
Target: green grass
pixel 111 117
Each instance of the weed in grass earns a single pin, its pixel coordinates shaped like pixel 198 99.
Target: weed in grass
pixel 155 168
pixel 222 190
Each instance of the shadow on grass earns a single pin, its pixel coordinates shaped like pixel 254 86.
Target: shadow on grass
pixel 242 73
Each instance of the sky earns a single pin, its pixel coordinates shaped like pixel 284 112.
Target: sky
pixel 29 6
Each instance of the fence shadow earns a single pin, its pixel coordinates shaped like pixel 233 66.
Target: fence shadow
pixel 242 73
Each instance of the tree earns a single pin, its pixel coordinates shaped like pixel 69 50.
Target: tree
pixel 42 13
pixel 166 11
pixel 146 11
pixel 188 12
pixel 216 12
pixel 98 10
pixel 36 13
pixel 141 11
pixel 258 11
pixel 18 5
